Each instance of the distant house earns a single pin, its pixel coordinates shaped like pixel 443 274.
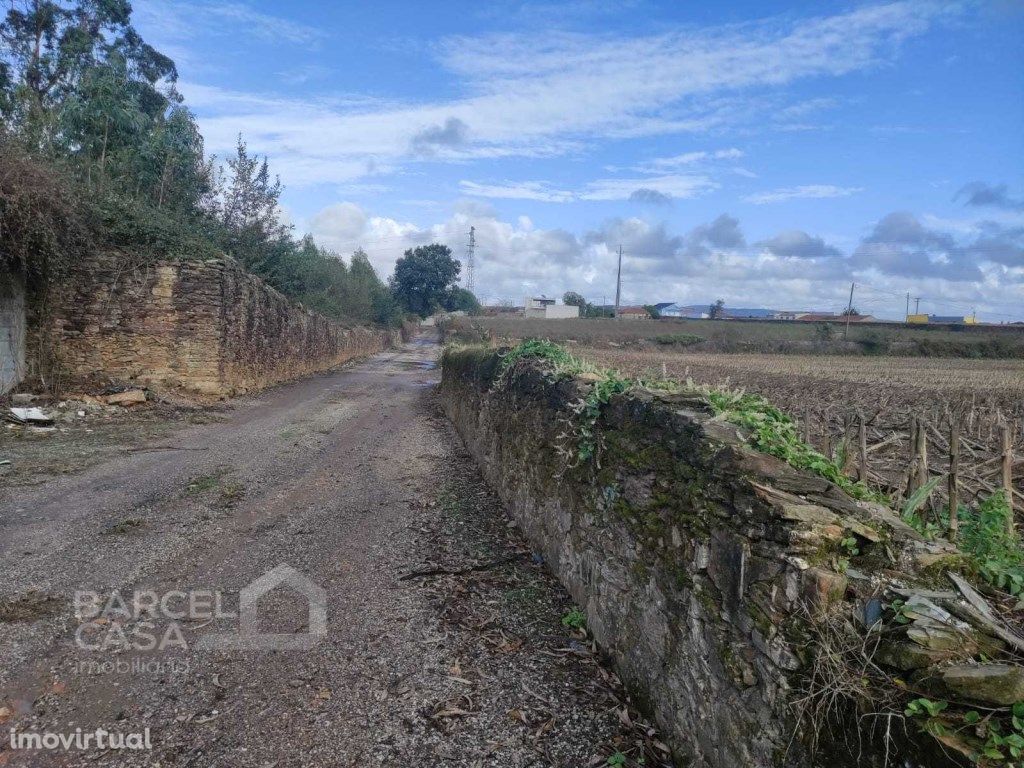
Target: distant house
pixel 548 309
pixel 679 310
pixel 745 313
pixel 634 313
pixel 799 314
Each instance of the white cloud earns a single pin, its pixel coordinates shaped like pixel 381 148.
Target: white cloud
pixel 663 164
pixel 675 186
pixel 548 94
pixel 186 20
pixel 810 191
pixel 667 187
pixel 790 270
pixel 523 190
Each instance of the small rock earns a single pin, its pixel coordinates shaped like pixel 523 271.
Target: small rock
pixel 822 587
pixel 23 398
pixel 999 684
pixel 908 656
pixel 129 397
pixel 807 513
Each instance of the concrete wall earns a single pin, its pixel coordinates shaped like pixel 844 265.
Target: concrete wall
pixel 561 312
pixel 12 330
pixel 207 327
pixel 697 560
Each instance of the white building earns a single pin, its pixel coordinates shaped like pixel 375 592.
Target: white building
pixel 547 309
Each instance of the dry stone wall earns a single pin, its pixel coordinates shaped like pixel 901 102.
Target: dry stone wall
pixel 698 561
pixel 206 327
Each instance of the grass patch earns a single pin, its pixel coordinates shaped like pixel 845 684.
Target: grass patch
pixel 231 494
pixel 208 482
pixel 575 619
pixel 677 339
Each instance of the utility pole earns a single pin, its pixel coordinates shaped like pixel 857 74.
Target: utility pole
pixel 618 284
pixel 849 311
pixel 471 260
pixel 917 305
pixel 908 308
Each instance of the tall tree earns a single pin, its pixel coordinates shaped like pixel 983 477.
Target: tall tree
pixel 423 277
pixel 247 207
pixel 51 46
pixel 573 299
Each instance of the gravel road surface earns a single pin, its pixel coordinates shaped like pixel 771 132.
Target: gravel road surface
pixel 443 644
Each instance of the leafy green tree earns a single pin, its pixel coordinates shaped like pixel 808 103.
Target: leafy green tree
pixel 717 310
pixel 652 311
pixel 459 299
pixel 51 46
pixel 573 299
pixel 424 276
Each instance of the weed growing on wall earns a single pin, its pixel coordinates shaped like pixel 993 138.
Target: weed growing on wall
pixel 606 384
pixel 771 431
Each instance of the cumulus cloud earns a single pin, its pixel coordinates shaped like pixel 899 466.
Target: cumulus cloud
pixel 807 191
pixel 641 239
pixel 999 244
pixel 650 196
pixel 901 245
pixel 791 270
pixel 723 232
pixel 799 244
pixel 453 134
pixel 996 195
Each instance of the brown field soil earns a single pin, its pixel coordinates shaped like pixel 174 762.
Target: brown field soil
pixel 789 380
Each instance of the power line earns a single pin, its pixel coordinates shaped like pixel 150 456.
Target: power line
pixel 471 260
pixel 618 283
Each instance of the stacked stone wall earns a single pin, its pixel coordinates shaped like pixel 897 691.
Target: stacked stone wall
pixel 206 327
pixel 703 566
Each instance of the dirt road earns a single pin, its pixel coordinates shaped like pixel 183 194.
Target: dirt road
pixel 354 480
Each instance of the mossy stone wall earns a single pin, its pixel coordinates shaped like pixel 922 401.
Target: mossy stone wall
pixel 695 558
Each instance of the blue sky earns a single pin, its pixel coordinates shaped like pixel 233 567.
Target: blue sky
pixel 765 153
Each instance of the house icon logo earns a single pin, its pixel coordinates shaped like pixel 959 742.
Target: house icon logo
pixel 248 637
